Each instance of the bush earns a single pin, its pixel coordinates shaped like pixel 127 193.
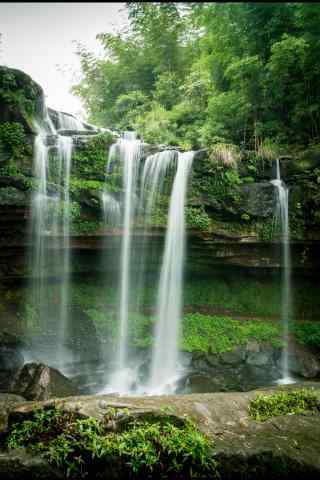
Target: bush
pixel 283 403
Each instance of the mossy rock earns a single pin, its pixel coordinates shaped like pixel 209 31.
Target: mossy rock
pixel 21 98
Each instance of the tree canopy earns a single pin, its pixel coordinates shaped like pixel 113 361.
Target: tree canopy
pixel 195 74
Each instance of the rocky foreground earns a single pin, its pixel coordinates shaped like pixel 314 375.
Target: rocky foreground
pixel 282 447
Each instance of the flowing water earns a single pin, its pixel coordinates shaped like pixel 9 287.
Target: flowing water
pixel 150 182
pixel 283 214
pixel 155 170
pixel 164 367
pixel 129 151
pixel 68 122
pixel 50 237
pixel 111 209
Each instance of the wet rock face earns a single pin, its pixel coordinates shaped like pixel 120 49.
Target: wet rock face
pixel 11 359
pixel 246 367
pixel 258 199
pixel 304 362
pixel 36 381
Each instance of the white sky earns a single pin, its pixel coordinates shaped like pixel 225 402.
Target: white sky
pixel 38 37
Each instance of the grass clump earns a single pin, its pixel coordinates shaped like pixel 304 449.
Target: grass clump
pixel 140 449
pixel 292 402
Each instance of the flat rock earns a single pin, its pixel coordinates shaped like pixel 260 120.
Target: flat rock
pixel 281 448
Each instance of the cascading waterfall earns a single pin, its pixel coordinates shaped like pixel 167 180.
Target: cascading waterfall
pixel 50 236
pixel 39 209
pixel 68 122
pixel 111 209
pixel 155 169
pixel 283 214
pixel 65 154
pixel 169 305
pixel 129 150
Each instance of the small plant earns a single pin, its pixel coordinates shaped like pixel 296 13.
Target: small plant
pixel 197 218
pixel 227 154
pixel 292 402
pixel 82 447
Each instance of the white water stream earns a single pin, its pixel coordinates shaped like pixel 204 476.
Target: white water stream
pixel 283 214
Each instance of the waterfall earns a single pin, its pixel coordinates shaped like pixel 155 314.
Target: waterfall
pixel 129 150
pixel 65 156
pixel 155 169
pixel 111 209
pixel 283 214
pixel 68 122
pixel 50 237
pixel 39 209
pixel 169 304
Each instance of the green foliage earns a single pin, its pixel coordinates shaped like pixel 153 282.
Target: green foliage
pixel 155 125
pixel 81 226
pixel 18 90
pixel 91 160
pixel 220 334
pixel 197 218
pixel 14 142
pixel 220 183
pixel 192 74
pixel 266 230
pixel 291 402
pixel 308 333
pixel 83 447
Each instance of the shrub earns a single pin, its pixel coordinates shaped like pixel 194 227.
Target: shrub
pixel 264 407
pixel 83 447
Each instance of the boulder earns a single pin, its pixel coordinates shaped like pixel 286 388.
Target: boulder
pixel 234 357
pixel 303 362
pixel 36 381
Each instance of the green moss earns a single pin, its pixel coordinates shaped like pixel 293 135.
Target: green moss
pixel 292 402
pixel 84 447
pixel 218 334
pixel 237 294
pixel 90 161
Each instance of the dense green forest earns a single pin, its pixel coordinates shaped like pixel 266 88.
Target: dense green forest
pixel 198 74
